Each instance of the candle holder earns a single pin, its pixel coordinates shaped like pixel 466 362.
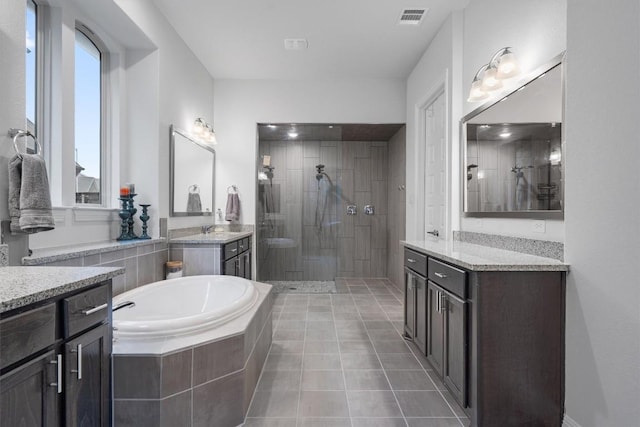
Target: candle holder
pixel 124 215
pixel 132 211
pixel 144 217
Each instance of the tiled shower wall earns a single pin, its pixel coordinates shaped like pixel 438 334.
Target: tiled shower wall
pixel 397 206
pixel 322 247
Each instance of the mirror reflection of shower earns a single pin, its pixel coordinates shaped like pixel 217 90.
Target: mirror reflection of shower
pixel 522 186
pixel 325 186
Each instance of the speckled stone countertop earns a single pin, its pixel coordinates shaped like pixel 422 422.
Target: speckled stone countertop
pixel 4 255
pixel 42 256
pixel 217 237
pixel 20 286
pixel 484 258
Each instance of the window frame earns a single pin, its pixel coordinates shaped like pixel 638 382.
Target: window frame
pixel 105 120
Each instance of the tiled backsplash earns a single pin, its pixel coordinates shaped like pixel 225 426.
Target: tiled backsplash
pixel 144 263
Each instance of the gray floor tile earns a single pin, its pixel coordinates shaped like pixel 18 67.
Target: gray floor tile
pixel 322 361
pixel 320 325
pixel 379 422
pixel 360 361
pixel 270 422
pixel 278 347
pixel 316 347
pixel 279 381
pixel 322 316
pixel 319 308
pixel 399 361
pixel 364 379
pixel 392 346
pixel 353 334
pixel 321 335
pixel 322 380
pixel 291 324
pixel 433 422
pixel 423 404
pixel 348 314
pixel 356 347
pixel 323 404
pixel 373 404
pixel 283 361
pixel 297 315
pixel 384 334
pixel 350 324
pixel 274 404
pixel 324 422
pixel 410 380
pixel 378 324
pixel 288 335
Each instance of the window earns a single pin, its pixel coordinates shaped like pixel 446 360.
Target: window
pixel 31 66
pixel 88 118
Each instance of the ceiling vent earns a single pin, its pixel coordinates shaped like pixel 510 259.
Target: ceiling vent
pixel 412 16
pixel 296 44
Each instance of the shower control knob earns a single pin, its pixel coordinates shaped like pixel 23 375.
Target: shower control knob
pixel 369 210
pixel 352 209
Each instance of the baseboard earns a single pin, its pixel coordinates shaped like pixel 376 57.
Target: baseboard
pixel 569 422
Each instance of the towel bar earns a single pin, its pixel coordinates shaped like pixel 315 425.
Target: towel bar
pixel 17 133
pixel 233 189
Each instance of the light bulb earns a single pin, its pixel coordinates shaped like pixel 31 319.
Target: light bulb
pixel 507 66
pixel 477 93
pixel 490 81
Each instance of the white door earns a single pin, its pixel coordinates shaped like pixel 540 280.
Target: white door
pixel 435 206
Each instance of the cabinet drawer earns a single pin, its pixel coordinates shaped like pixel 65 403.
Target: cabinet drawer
pixel 415 261
pixel 230 250
pixel 448 277
pixel 243 245
pixel 86 309
pixel 27 333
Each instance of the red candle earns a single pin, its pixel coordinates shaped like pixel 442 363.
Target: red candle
pixel 124 191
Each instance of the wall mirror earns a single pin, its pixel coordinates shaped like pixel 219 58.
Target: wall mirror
pixel 513 151
pixel 192 167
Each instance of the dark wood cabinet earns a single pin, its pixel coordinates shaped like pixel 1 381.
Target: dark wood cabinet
pixel 29 393
pixel 455 368
pixel 65 378
pixel 237 258
pixel 420 335
pixel 409 303
pixel 435 335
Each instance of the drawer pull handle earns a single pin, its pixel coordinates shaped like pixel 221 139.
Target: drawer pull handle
pixel 58 383
pixel 234 250
pixel 440 275
pixel 79 370
pixel 95 309
pixel 411 260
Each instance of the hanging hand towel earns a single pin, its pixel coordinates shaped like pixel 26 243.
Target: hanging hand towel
pixel 29 195
pixel 233 207
pixel 194 204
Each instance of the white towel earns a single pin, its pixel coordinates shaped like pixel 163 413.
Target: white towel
pixel 29 195
pixel 232 211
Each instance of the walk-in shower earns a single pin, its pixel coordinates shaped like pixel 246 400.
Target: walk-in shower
pixel 305 239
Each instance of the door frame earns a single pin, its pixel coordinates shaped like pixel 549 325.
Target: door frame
pixel 440 88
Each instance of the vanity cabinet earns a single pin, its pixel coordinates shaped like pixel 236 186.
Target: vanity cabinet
pixel 56 358
pixel 237 258
pixel 415 294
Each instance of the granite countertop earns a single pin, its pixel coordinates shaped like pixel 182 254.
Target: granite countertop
pixel 484 258
pixel 216 237
pixel 42 256
pixel 20 286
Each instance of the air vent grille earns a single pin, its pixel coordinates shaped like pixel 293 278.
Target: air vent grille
pixel 412 16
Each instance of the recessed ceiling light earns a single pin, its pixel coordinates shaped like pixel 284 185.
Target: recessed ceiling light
pixel 330 127
pixel 296 44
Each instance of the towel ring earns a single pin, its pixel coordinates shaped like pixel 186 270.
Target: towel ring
pixel 195 188
pixel 232 189
pixel 17 133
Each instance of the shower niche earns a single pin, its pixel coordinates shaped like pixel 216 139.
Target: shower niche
pixel 513 151
pixel 306 183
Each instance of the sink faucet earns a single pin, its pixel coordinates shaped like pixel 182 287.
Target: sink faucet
pixel 206 229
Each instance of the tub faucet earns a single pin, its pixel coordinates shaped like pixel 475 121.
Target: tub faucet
pixel 206 229
pixel 124 304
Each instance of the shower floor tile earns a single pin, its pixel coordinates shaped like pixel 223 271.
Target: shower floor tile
pixel 340 360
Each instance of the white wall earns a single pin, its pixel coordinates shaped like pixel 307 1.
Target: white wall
pixel 241 104
pixel 537 32
pixel 602 221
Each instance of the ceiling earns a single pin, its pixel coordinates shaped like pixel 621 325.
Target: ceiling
pixel 347 38
pixel 327 132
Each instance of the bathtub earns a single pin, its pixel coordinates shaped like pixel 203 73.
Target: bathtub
pixel 176 313
pixel 203 338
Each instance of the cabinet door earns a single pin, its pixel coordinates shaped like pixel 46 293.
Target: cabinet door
pixel 455 366
pixel 88 373
pixel 29 394
pixel 420 337
pixel 231 267
pixel 409 304
pixel 435 325
pixel 246 265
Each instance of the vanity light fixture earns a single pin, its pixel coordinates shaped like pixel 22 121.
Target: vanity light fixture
pixel 293 133
pixel 503 65
pixel 505 134
pixel 204 131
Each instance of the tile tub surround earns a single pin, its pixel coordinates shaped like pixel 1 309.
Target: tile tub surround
pixel 4 255
pixel 483 258
pixel 143 260
pixel 21 286
pixel 208 384
pixel 339 360
pixel 543 248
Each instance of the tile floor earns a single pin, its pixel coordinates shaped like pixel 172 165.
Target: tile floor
pixel 339 360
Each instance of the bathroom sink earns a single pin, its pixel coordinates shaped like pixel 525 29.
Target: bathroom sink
pixel 280 242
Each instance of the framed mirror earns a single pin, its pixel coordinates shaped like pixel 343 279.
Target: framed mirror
pixel 192 174
pixel 513 165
